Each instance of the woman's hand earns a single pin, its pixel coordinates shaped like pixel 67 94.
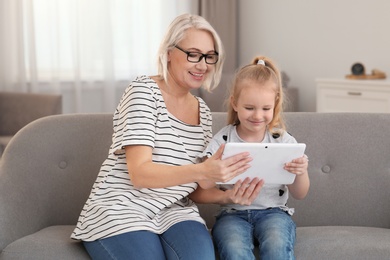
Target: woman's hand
pixel 244 192
pixel 218 170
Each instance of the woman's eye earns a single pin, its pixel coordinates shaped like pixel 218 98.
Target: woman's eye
pixel 193 55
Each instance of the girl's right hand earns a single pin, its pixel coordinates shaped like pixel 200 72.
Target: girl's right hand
pixel 218 170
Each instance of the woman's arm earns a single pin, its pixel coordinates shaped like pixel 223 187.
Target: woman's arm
pixel 146 174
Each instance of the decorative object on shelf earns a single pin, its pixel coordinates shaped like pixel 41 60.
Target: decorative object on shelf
pixel 358 72
pixel 358 69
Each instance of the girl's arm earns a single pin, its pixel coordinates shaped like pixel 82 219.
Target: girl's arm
pixel 146 174
pixel 300 187
pixel 243 193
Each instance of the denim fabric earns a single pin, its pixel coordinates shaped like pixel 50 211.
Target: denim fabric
pixel 235 234
pixel 188 240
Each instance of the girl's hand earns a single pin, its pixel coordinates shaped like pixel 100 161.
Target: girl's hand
pixel 244 192
pixel 300 187
pixel 298 166
pixel 218 170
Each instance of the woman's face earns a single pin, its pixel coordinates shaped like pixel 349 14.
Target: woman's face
pixel 187 74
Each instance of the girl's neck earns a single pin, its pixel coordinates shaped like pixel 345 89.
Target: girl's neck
pixel 250 137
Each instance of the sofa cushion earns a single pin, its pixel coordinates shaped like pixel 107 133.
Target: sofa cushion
pixel 342 242
pixel 326 242
pixel 49 243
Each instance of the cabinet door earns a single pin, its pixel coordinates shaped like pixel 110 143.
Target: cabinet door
pixel 352 100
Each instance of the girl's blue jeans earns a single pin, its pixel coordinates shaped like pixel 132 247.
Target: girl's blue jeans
pixel 189 240
pixel 235 234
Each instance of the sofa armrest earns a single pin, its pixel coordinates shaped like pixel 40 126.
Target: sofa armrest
pixel 47 171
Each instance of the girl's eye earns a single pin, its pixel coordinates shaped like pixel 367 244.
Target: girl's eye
pixel 249 108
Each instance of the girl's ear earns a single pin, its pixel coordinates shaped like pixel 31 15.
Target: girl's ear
pixel 233 103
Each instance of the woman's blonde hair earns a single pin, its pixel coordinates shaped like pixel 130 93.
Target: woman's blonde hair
pixel 176 32
pixel 261 70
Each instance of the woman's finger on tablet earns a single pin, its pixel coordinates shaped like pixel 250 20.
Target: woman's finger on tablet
pixel 218 154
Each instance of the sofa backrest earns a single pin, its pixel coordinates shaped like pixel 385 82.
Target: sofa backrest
pixel 349 168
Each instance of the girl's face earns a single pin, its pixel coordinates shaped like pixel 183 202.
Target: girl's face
pixel 187 74
pixel 255 108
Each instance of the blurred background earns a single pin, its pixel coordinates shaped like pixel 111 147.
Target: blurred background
pixel 89 50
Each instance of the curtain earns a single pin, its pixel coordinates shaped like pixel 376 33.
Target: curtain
pixel 86 50
pixel 222 15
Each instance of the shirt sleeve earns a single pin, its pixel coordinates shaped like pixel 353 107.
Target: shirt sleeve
pixel 288 138
pixel 135 117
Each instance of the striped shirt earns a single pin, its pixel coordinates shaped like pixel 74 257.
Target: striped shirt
pixel 115 206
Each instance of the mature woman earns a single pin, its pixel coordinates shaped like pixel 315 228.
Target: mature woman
pixel 138 207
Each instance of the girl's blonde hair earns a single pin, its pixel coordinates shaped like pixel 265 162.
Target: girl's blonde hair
pixel 176 32
pixel 261 70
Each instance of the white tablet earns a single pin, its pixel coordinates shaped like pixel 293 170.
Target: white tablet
pixel 268 160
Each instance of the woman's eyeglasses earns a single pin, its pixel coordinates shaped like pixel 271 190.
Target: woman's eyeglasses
pixel 196 57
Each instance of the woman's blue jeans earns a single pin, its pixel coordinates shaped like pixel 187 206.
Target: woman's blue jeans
pixel 235 234
pixel 188 240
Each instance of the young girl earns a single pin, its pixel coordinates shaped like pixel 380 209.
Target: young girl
pixel 253 211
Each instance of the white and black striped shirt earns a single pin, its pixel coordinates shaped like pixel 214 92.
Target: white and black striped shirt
pixel 115 206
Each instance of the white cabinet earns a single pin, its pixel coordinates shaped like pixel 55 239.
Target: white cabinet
pixel 347 95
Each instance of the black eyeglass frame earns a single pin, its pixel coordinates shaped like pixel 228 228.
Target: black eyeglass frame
pixel 200 57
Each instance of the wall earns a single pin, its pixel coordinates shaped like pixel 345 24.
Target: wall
pixel 315 39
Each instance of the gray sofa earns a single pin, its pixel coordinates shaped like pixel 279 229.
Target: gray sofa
pixel 18 109
pixel 48 168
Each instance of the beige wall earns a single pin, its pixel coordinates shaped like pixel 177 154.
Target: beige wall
pixel 312 39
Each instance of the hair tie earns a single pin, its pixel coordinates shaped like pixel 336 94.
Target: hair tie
pixel 261 62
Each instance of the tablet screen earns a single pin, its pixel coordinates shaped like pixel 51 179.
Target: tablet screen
pixel 268 160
